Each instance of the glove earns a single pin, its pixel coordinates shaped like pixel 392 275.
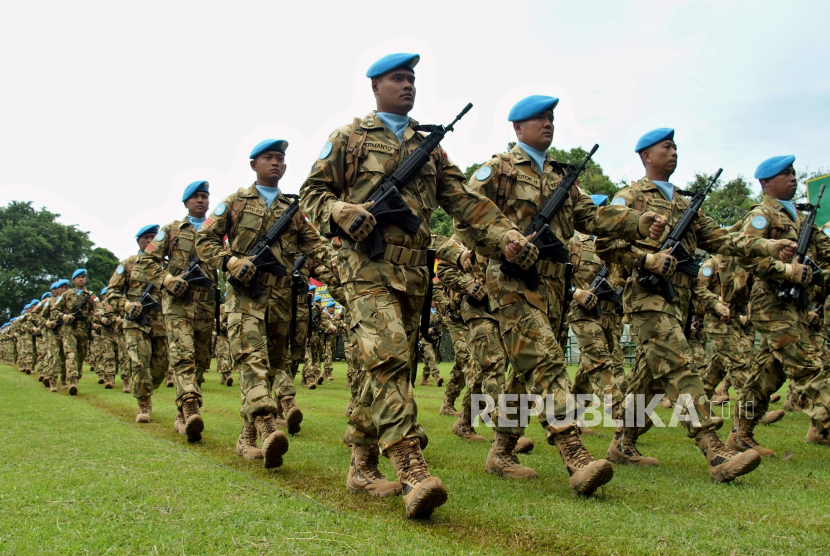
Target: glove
pixel 476 290
pixel 355 220
pixel 814 318
pixel 50 324
pixel 653 226
pixel 241 269
pixel 798 273
pixel 781 249
pixel 661 264
pixel 524 254
pixel 744 320
pixel 133 309
pixel 119 321
pixel 97 327
pixel 464 261
pixel 105 321
pixel 586 298
pixel 174 284
pixel 67 318
pixel 722 309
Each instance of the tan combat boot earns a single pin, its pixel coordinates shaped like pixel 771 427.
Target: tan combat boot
pixel 64 386
pixel 587 431
pixel 46 381
pixel 789 404
pixel 145 407
pixel 228 380
pixel 741 437
pixel 775 398
pixel 108 382
pixel 463 429
pixel 771 417
pixel 293 415
pixel 246 445
pixel 328 375
pixel 422 492
pixel 100 379
pixel 816 437
pixel 53 387
pixel 587 474
pixel 720 399
pixel 502 460
pixel 178 423
pixel 523 445
pixel 364 475
pixel 169 379
pixel 73 386
pixel 665 403
pixel 623 449
pixel 222 380
pixel 312 385
pixel 125 385
pixel 448 407
pixel 194 425
pixel 424 380
pixel 439 380
pixel 319 380
pixel 40 377
pixel 274 442
pixel 725 464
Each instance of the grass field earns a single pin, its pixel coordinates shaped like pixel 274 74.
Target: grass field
pixel 78 476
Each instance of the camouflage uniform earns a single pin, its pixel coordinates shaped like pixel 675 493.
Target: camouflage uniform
pixel 695 326
pixel 108 343
pixel 331 327
pixel 429 345
pixel 311 368
pixel 25 343
pixel 55 370
pixel 224 365
pixel 74 335
pixel 449 303
pixel 188 325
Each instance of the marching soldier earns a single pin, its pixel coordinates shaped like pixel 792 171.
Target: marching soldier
pixel 429 344
pixel 224 365
pixel 74 309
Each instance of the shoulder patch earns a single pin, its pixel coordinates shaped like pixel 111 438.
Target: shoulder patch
pixel 706 271
pixel 618 201
pixel 483 173
pixel 120 269
pixel 326 151
pixel 160 235
pixel 220 209
pixel 759 222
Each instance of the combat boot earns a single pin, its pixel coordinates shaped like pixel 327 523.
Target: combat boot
pixel 108 383
pixel 422 492
pixel 789 404
pixel 720 399
pixel 439 380
pixel 28 371
pixel 319 379
pixel 194 425
pixel 293 415
pixel 46 381
pixel 178 423
pixel 63 383
pixel 502 460
pixel 771 417
pixel 312 385
pixel 228 380
pixel 424 380
pixel 523 445
pixel 40 377
pixel 53 387
pixel 725 464
pixel 246 445
pixel 328 374
pixel 100 379
pixel 448 407
pixel 145 407
pixel 274 442
pixel 349 408
pixel 775 398
pixel 586 473
pixel 741 437
pixel 169 379
pixel 73 386
pixel 816 437
pixel 222 380
pixel 462 428
pixel 125 385
pixel 364 475
pixel 623 449
pixel 665 403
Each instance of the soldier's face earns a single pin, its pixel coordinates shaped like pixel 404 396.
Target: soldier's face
pixel 782 186
pixel 144 240
pixel 269 167
pixel 62 289
pixel 395 92
pixel 536 131
pixel 662 156
pixel 198 204
pixel 80 281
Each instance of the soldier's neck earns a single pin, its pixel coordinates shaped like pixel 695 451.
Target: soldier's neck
pixel 658 175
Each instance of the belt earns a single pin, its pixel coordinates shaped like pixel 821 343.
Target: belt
pixel 204 295
pixel 548 269
pixel 272 281
pixel 767 285
pixel 396 254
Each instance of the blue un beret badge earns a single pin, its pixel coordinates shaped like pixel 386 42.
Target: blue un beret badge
pixel 759 222
pixel 483 173
pixel 220 209
pixel 618 201
pixel 706 271
pixel 160 235
pixel 120 269
pixel 326 150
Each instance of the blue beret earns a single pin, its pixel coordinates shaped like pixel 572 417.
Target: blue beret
pixel 194 187
pixel 53 285
pixel 653 137
pixel 771 167
pixel 278 145
pixel 150 228
pixel 62 282
pixel 391 62
pixel 330 304
pixel 34 302
pixel 104 291
pixel 312 288
pixel 79 272
pixel 531 106
pixel 317 298
pixel 600 200
pixel 44 296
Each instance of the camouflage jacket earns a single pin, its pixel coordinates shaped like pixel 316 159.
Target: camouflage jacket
pixel 455 280
pixel 769 219
pixel 723 277
pixel 705 234
pixel 439 183
pixel 586 266
pixel 175 244
pixel 244 218
pixel 66 304
pixel 126 284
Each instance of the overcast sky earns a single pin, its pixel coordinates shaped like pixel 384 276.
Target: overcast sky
pixel 108 110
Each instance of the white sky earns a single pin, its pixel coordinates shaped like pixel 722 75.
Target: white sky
pixel 109 109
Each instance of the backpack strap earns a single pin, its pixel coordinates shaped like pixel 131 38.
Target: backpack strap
pixel 576 253
pixel 639 197
pixel 507 177
pixel 354 152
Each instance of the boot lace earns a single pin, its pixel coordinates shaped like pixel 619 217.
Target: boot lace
pixel 573 448
pixel 412 460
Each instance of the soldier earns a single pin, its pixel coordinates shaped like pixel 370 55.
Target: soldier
pixel 385 295
pixel 311 370
pixel 458 332
pixel 56 372
pixel 43 355
pixel 429 345
pixel 224 365
pixel 657 323
pixel 108 340
pixel 258 327
pixel 74 309
pixel 786 351
pixel 25 341
pixel 331 327
pixel 145 341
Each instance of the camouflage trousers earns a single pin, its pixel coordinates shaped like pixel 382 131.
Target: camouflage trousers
pixel 75 346
pixel 258 353
pixel 224 366
pixel 147 349
pixel 697 345
pixel 384 322
pixel 25 352
pixel 601 364
pixel 330 343
pixel 94 355
pixel 107 355
pixel 56 367
pixel 664 364
pixel 41 354
pixel 430 364
pixel 787 351
pixel 458 376
pixel 317 351
pixel 349 352
pixel 309 370
pixel 188 349
pixel 537 365
pixel 123 356
pixel 488 361
pixel 731 359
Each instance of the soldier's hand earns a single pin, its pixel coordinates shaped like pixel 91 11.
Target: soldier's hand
pixel 464 260
pixel 798 273
pixel 653 225
pixel 722 309
pixel 814 318
pixel 175 284
pixel 519 249
pixel 50 324
pixel 661 264
pixel 586 298
pixel 241 269
pixel 782 249
pixel 355 220
pixel 744 320
pixel 119 321
pixel 67 318
pixel 477 290
pixel 105 321
pixel 97 327
pixel 133 309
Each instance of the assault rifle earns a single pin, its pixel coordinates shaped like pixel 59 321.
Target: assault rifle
pixel 147 304
pixel 820 308
pixel 261 255
pixel 78 310
pixel 796 292
pixel 603 290
pixel 550 247
pixel 388 206
pixel 298 287
pixel 686 263
pixel 194 276
pixel 566 301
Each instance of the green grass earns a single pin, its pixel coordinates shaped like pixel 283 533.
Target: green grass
pixel 78 476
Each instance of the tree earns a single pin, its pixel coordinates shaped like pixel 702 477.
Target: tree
pixel 100 265
pixel 35 250
pixel 726 203
pixel 593 180
pixel 441 223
